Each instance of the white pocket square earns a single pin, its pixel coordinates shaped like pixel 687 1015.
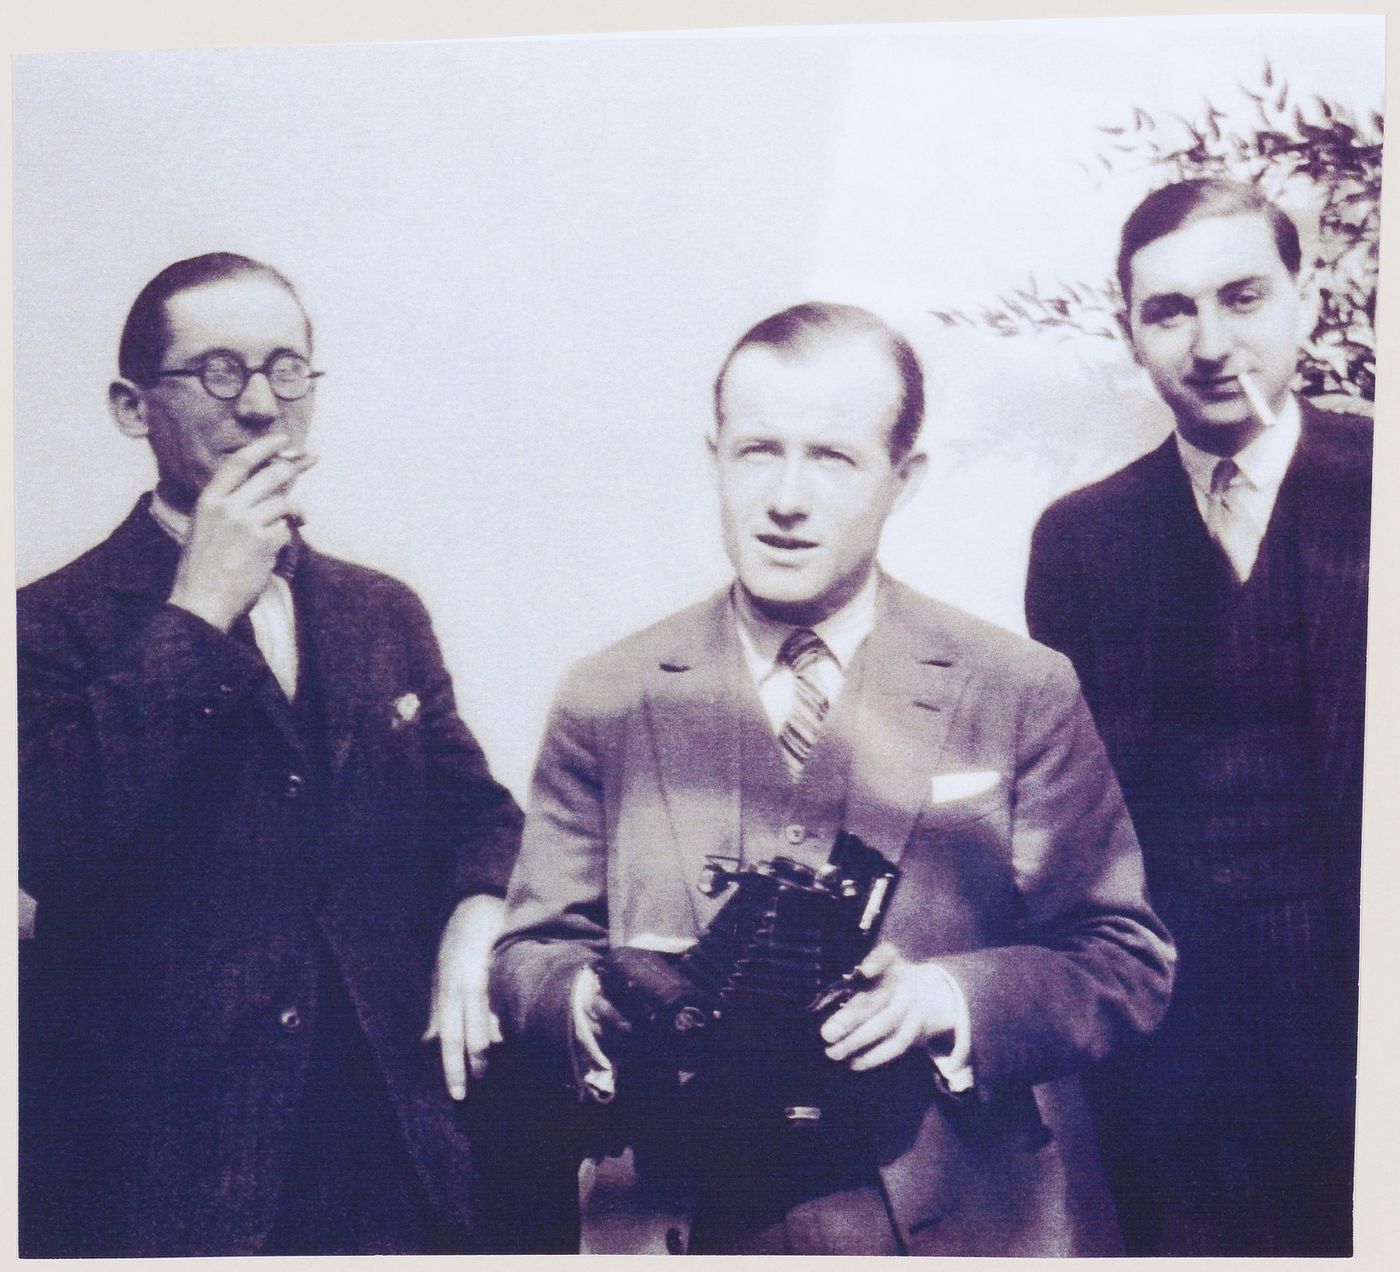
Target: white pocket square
pixel 947 787
pixel 405 710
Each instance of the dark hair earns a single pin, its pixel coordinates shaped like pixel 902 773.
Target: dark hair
pixel 146 334
pixel 1167 210
pixel 799 329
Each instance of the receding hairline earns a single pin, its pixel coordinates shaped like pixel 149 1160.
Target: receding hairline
pixel 804 331
pixel 265 280
pixel 145 336
pixel 821 342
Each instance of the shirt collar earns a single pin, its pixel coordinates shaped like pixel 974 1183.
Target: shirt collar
pixel 175 523
pixel 842 633
pixel 1262 463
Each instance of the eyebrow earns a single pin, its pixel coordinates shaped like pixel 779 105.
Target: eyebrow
pixel 1176 302
pixel 223 351
pixel 1252 280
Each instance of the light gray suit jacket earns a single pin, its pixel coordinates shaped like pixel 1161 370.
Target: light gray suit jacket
pixel 1030 891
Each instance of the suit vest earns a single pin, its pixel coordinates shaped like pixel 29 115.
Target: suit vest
pixel 780 816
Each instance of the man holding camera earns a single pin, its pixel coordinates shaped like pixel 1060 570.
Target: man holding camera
pixel 257 832
pixel 813 697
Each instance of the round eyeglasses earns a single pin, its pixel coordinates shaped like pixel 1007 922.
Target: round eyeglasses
pixel 226 375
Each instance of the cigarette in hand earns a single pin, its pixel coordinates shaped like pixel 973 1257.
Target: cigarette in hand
pixel 1256 400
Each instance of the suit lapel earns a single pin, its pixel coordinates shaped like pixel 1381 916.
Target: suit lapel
pixel 695 716
pixel 911 688
pixel 335 650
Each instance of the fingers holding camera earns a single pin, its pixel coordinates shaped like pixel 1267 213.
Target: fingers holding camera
pixel 241 521
pixel 596 1020
pixel 907 1004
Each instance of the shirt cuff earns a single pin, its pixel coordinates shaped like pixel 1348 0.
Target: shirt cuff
pixel 955 1066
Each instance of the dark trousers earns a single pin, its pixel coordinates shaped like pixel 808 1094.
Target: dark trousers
pixel 1231 1131
pixel 851 1219
pixel 770 1188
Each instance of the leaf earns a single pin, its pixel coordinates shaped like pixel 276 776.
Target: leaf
pixel 1112 131
pixel 1268 74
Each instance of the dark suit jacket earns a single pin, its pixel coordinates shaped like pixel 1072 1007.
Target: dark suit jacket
pixel 1098 553
pixel 1030 891
pixel 198 853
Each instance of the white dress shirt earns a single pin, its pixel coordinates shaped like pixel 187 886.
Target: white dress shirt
pixel 273 616
pixel 762 638
pixel 1253 491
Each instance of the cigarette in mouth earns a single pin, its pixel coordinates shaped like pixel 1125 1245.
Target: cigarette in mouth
pixel 1256 400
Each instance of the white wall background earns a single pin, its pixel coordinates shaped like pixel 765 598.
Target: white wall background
pixel 525 260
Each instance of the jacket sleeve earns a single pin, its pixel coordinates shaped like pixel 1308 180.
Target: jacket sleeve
pixel 557 906
pixel 1054 590
pixel 104 741
pixel 468 810
pixel 1092 968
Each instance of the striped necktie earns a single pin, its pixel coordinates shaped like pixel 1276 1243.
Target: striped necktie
pixel 803 651
pixel 1226 522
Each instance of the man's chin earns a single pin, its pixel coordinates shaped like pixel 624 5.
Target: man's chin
pixel 1219 433
pixel 785 604
pixel 182 495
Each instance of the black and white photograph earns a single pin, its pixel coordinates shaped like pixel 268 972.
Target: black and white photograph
pixel 743 640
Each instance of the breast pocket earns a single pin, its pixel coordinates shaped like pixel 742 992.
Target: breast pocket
pixel 955 801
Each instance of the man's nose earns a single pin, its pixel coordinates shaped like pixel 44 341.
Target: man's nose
pixel 257 406
pixel 789 498
pixel 1212 342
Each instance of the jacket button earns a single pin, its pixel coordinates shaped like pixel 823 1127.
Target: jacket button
pixel 225 690
pixel 795 834
pixel 290 1019
pixel 295 782
pixel 674 1244
pixel 208 709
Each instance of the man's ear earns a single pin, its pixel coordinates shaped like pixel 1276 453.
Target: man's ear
pixel 1125 325
pixel 910 470
pixel 128 406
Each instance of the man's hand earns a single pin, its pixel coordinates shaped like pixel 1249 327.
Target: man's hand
pixel 238 528
pixel 596 1020
pixel 908 1005
pixel 460 1016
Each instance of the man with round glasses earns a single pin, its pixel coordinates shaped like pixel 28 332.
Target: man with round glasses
pixel 225 375
pixel 265 848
